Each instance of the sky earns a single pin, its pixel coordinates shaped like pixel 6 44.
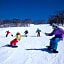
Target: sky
pixel 33 9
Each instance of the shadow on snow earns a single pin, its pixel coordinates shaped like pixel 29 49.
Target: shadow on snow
pixel 42 49
pixel 10 46
pixel 35 36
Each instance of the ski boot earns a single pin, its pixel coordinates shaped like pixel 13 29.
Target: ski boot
pixel 54 51
pixel 49 47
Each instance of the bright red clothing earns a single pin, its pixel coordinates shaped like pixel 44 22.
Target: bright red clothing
pixel 38 34
pixel 13 42
pixel 7 32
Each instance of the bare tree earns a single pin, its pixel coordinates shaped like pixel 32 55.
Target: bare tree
pixel 57 18
pixel 26 21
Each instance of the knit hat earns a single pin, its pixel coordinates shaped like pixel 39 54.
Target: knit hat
pixel 18 33
pixel 54 25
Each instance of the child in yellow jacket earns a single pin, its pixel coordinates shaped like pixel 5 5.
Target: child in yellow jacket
pixel 18 36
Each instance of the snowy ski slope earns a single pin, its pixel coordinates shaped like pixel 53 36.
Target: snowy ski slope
pixel 31 49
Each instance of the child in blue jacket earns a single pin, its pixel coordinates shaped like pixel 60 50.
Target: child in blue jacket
pixel 38 32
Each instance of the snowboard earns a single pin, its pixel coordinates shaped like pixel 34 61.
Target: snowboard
pixel 50 49
pixel 13 46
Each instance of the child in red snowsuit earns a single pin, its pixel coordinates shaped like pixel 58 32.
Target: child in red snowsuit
pixel 7 32
pixel 13 42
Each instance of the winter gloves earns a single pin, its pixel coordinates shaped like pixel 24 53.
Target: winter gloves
pixel 11 34
pixel 46 34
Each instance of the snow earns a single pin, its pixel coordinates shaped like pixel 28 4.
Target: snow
pixel 31 49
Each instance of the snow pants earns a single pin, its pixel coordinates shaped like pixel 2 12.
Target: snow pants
pixel 13 43
pixel 54 43
pixel 38 34
pixel 6 35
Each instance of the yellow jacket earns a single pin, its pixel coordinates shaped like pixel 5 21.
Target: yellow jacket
pixel 19 36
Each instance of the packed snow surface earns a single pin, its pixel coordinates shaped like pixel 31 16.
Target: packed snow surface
pixel 31 49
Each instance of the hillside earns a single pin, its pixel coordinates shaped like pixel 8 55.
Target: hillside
pixel 31 49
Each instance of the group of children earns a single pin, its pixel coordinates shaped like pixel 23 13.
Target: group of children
pixel 17 37
pixel 58 32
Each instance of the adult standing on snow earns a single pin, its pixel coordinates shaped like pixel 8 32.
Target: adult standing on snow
pixel 38 32
pixel 7 33
pixel 58 32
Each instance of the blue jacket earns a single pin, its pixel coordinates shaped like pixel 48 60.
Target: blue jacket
pixel 38 30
